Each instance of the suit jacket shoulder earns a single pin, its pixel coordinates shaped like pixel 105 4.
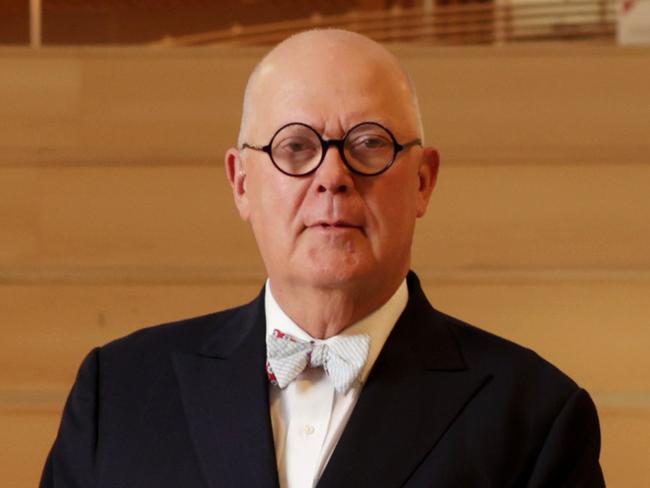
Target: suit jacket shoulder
pixel 448 404
pixel 142 405
pixel 522 367
pixel 182 335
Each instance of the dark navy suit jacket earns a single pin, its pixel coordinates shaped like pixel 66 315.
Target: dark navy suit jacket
pixel 445 405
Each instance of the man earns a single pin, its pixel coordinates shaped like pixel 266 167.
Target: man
pixel 340 373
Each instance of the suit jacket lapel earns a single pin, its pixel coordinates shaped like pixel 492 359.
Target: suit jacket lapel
pixel 416 389
pixel 225 398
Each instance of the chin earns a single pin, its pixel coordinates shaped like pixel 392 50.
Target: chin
pixel 337 272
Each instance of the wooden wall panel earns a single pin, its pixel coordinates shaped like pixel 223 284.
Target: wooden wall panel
pixel 626 444
pixel 481 217
pixel 596 332
pixel 535 104
pixel 538 217
pixel 53 327
pixel 26 439
pixel 172 215
pixel 40 103
pixel 532 104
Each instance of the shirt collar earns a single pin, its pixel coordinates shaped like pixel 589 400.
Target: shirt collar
pixel 377 324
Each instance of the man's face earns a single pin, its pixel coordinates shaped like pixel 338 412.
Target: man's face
pixel 333 228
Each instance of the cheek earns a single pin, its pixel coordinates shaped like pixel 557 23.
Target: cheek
pixel 393 218
pixel 275 201
pixel 263 191
pixel 398 223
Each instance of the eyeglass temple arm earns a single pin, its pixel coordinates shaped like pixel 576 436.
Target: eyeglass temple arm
pixel 414 142
pixel 266 149
pixel 251 146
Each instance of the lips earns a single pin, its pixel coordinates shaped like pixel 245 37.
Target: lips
pixel 337 223
pixel 334 225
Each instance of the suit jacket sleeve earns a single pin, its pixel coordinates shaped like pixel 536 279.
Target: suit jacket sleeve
pixel 569 455
pixel 71 461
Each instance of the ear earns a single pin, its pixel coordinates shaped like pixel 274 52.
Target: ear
pixel 237 179
pixel 427 177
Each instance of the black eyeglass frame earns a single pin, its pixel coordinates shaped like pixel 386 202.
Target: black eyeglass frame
pixel 339 144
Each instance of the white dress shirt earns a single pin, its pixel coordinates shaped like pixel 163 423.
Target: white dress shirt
pixel 309 415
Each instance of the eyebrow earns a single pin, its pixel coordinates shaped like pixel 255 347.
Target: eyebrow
pixel 319 127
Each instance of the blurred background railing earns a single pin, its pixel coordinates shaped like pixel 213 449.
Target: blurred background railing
pixel 476 22
pixel 255 22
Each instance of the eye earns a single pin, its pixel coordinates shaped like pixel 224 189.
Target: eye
pixel 374 142
pixel 294 145
pixel 369 142
pixel 294 151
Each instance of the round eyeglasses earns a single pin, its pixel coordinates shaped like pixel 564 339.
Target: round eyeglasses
pixel 368 149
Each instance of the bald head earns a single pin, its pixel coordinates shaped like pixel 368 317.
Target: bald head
pixel 337 62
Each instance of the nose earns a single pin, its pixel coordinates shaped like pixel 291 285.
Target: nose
pixel 333 175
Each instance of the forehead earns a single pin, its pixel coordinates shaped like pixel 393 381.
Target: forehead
pixel 331 90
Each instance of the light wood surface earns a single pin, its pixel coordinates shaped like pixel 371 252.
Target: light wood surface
pixel 115 214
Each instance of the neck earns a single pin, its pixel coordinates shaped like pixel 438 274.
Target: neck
pixel 326 312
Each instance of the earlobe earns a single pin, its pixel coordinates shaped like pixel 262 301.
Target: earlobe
pixel 428 175
pixel 237 178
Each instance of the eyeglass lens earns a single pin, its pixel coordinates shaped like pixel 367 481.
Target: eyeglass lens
pixel 297 149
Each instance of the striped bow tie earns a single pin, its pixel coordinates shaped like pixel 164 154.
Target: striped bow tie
pixel 342 358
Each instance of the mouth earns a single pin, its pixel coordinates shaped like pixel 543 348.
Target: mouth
pixel 335 226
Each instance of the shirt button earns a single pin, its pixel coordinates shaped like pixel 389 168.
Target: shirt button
pixel 308 429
